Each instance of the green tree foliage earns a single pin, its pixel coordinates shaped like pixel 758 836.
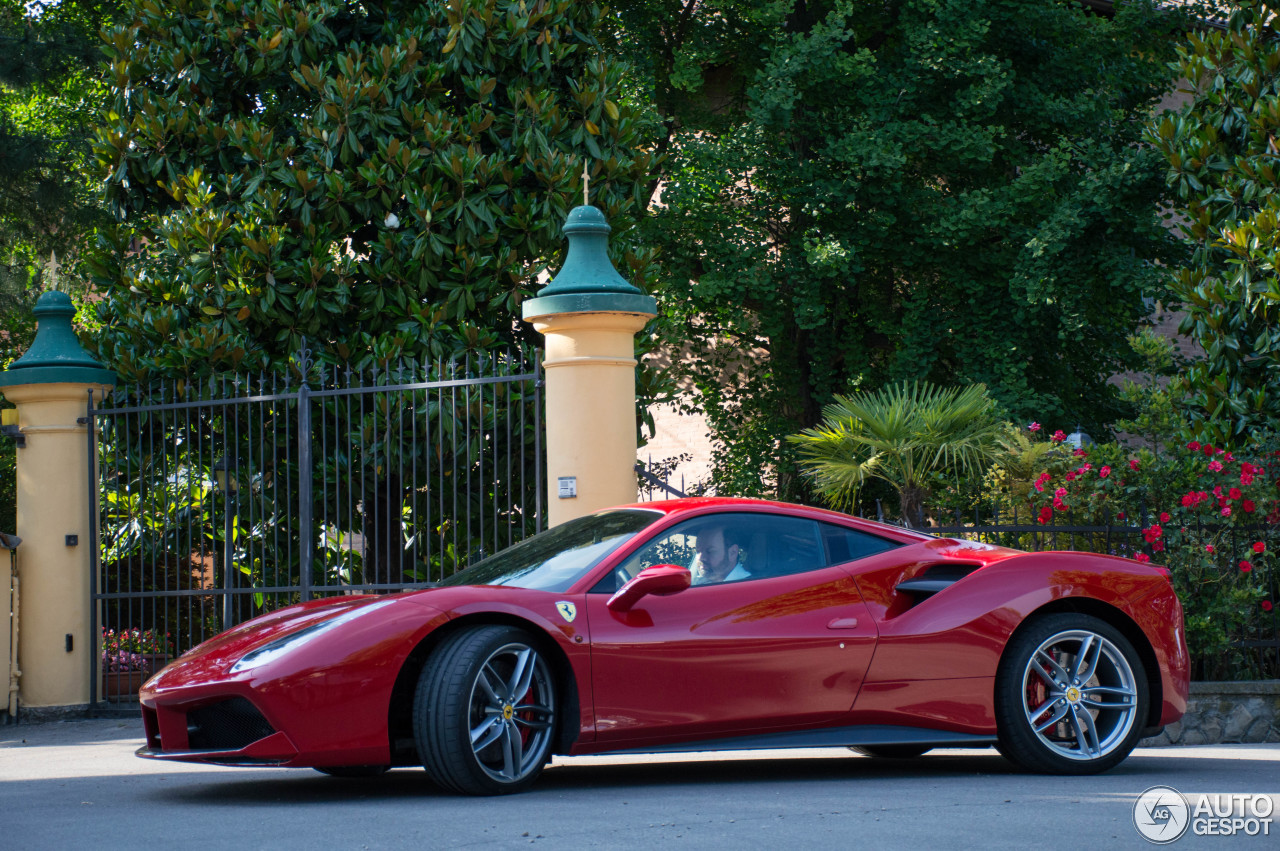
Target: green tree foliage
pixel 905 434
pixel 50 93
pixel 867 192
pixel 382 180
pixel 1224 166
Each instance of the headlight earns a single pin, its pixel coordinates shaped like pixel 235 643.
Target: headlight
pixel 273 650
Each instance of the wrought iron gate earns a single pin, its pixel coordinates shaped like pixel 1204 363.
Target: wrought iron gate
pixel 226 499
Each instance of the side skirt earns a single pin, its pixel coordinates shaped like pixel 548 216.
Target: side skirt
pixel 830 737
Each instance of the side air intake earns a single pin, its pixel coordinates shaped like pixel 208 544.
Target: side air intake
pixel 935 578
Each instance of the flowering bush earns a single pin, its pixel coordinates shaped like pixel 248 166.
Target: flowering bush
pixel 133 649
pixel 1204 513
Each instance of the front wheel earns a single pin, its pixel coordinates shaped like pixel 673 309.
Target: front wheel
pixel 1071 696
pixel 485 710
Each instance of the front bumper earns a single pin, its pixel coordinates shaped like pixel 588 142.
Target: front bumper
pixel 228 731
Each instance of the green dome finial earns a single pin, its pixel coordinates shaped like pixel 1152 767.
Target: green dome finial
pixel 588 282
pixel 55 355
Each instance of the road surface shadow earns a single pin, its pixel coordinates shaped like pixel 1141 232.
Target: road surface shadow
pixel 303 787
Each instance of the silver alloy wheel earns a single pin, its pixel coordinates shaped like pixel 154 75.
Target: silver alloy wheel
pixel 1079 695
pixel 512 713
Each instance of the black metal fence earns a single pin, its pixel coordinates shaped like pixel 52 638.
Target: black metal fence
pixel 227 499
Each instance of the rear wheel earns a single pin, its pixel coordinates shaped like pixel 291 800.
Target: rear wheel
pixel 891 751
pixel 1071 696
pixel 484 712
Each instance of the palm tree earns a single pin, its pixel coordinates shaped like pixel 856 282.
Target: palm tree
pixel 903 434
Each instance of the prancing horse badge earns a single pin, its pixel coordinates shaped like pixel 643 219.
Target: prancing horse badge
pixel 567 610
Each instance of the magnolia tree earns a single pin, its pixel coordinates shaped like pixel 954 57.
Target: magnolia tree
pixel 381 180
pixel 1222 160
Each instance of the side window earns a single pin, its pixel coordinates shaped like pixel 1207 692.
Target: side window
pixel 844 545
pixel 731 547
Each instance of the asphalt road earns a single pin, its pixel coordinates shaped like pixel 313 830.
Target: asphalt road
pixel 78 785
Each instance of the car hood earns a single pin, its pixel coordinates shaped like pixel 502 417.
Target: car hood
pixel 278 624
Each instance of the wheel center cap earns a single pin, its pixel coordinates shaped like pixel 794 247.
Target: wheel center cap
pixel 507 711
pixel 1073 695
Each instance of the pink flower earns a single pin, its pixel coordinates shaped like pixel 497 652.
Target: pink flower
pixel 1071 476
pixel 1208 548
pixel 1104 472
pixel 1060 492
pixel 1133 463
pixel 1164 517
pixel 1059 504
pixel 1226 511
pixel 1033 427
pixel 1193 446
pixel 1215 466
pixel 1245 567
pixel 1058 436
pixel 1080 453
pixel 1142 557
pixel 1246 479
pixel 1259 547
pixel 1218 491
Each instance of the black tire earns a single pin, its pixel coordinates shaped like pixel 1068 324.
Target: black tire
pixel 469 687
pixel 354 770
pixel 891 751
pixel 1071 696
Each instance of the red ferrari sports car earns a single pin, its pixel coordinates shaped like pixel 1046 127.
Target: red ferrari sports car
pixel 694 625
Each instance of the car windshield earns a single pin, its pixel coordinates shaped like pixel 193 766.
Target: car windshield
pixel 559 557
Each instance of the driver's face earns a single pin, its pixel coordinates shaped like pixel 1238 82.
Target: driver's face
pixel 716 559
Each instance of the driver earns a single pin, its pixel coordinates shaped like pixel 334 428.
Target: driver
pixel 719 557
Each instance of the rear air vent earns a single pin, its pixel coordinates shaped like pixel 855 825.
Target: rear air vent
pixel 935 578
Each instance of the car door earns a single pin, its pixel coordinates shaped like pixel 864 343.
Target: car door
pixel 784 647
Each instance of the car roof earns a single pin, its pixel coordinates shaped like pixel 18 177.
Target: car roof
pixel 704 504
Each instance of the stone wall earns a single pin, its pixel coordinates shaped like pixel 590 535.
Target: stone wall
pixel 1226 713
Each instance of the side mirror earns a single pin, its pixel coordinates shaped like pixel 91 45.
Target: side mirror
pixel 661 579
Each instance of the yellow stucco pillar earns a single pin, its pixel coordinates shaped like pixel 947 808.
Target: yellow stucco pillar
pixel 591 409
pixel 50 386
pixel 589 316
pixel 8 664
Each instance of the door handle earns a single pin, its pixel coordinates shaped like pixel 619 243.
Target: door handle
pixel 843 623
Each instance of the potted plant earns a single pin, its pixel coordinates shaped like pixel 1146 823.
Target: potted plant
pixel 130 656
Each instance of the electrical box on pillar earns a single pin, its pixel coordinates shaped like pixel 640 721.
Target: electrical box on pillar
pixel 589 315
